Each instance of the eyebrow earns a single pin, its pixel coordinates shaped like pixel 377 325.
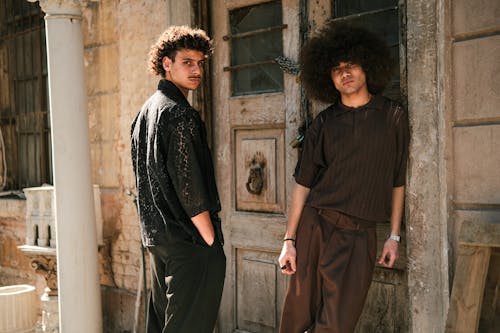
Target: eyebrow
pixel 187 58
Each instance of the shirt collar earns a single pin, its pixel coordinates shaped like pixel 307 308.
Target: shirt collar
pixel 171 90
pixel 376 102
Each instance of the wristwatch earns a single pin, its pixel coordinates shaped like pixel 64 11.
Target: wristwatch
pixel 395 237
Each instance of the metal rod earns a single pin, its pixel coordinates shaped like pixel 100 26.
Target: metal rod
pixel 254 64
pixel 255 32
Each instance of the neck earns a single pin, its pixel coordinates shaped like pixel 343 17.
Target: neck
pixel 184 91
pixel 357 99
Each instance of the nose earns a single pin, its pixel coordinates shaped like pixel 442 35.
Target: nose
pixel 197 69
pixel 345 72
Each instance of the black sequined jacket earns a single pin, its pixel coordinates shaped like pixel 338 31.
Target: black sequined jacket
pixel 173 168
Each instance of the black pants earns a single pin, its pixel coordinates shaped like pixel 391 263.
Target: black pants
pixel 186 286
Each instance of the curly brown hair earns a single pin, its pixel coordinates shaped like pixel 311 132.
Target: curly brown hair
pixel 177 38
pixel 342 42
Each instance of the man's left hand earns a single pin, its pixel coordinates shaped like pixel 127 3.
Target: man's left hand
pixel 389 253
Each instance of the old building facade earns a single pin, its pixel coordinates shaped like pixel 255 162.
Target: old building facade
pixel 447 53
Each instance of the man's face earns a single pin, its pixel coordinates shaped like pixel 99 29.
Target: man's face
pixel 186 71
pixel 348 78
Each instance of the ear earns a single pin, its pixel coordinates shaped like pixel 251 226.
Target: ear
pixel 166 62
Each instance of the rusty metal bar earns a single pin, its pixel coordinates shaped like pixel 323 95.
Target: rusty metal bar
pixel 255 32
pixel 253 64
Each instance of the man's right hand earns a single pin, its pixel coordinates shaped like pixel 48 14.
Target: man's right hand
pixel 287 259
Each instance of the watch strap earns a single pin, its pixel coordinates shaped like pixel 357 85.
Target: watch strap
pixel 395 237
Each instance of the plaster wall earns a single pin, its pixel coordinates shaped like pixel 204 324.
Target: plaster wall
pixel 475 131
pixel 117 38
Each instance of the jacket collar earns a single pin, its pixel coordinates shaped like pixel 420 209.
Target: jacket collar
pixel 171 91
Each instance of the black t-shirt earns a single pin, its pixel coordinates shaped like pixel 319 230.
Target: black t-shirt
pixel 353 157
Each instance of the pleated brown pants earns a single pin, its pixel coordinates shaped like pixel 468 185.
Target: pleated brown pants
pixel 335 262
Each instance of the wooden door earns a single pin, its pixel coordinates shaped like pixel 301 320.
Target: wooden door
pixel 256 110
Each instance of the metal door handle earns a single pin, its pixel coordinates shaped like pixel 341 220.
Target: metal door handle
pixel 255 181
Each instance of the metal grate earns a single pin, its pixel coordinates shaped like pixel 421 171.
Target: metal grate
pixel 24 107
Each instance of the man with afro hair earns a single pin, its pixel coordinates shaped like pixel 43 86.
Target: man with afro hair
pixel 177 197
pixel 351 176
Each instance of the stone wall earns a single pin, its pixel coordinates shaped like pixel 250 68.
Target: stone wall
pixel 117 39
pixel 14 266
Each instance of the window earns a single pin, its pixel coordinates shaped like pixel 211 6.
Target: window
pixel 381 17
pixel 256 40
pixel 24 112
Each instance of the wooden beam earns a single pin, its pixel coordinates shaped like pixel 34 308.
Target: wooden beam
pixel 480 234
pixel 468 289
pixel 476 240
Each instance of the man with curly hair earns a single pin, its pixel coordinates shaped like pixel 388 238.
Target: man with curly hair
pixel 177 200
pixel 351 176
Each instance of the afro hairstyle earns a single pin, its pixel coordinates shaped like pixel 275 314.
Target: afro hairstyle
pixel 342 42
pixel 176 38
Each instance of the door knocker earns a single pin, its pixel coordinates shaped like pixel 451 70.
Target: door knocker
pixel 255 182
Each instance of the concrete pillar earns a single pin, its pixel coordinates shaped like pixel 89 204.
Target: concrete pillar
pixel 78 280
pixel 427 195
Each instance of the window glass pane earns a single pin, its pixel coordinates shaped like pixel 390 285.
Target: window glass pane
pixel 256 48
pixel 255 17
pixel 349 7
pixel 257 80
pixel 252 48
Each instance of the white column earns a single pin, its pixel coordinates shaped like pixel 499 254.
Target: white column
pixel 77 260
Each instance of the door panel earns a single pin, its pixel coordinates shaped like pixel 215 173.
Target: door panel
pixel 259 162
pixel 253 123
pixel 259 287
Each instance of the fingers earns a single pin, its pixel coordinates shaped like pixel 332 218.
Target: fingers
pixel 383 258
pixel 289 267
pixel 389 255
pixel 287 259
pixel 387 260
pixel 293 265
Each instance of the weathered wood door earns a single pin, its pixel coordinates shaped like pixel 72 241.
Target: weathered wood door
pixel 256 110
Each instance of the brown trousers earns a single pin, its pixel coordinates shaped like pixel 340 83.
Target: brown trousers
pixel 335 261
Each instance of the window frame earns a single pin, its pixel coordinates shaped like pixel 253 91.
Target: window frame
pixel 233 68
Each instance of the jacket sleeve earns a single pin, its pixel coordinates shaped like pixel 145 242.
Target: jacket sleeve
pixel 185 163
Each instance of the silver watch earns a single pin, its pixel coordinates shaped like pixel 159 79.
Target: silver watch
pixel 395 237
